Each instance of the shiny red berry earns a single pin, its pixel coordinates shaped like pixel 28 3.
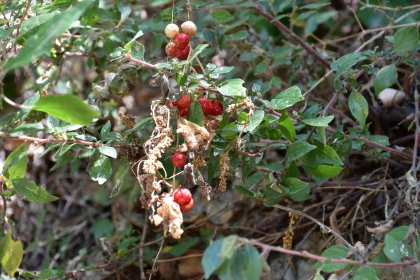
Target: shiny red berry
pixel 183 101
pixel 182 41
pixel 182 196
pixel 179 159
pixel 206 106
pixel 188 207
pixel 217 107
pixel 174 102
pixel 183 112
pixel 182 54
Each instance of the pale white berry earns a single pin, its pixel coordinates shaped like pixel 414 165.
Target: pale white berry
pixel 189 28
pixel 171 30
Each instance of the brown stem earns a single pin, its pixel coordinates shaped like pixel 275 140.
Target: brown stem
pixel 20 22
pixel 322 259
pixel 288 32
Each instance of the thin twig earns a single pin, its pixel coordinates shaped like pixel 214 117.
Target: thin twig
pixel 338 236
pixel 20 22
pixel 323 259
pixel 10 102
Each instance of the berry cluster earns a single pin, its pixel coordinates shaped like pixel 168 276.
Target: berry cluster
pixel 179 46
pixel 212 108
pixel 183 197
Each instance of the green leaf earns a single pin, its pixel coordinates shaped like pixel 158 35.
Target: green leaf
pixel 406 39
pixel 294 185
pixel 31 191
pixel 314 6
pixel 239 36
pixel 102 228
pixel 260 68
pixel 386 77
pixel 15 164
pixel 228 247
pixel 365 273
pixel 106 128
pixel 343 64
pixel 254 121
pixel 287 127
pixel 130 43
pixel 395 248
pixel 137 51
pixel 292 171
pixel 221 16
pixel 40 44
pixel 245 191
pixel 195 113
pixel 212 258
pixel 199 49
pixel 297 150
pixel 101 170
pixel 326 154
pixel 319 122
pixel 334 252
pixel 359 107
pixel 233 88
pixel 323 171
pixel 287 98
pixel 11 254
pixel 179 249
pixel 108 151
pixel 68 108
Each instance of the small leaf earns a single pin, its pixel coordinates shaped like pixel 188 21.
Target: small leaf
pixel 101 170
pixel 287 98
pixel 245 191
pixel 359 107
pixel 287 127
pixel 323 171
pixel 254 121
pixel 199 49
pixel 294 185
pixel 195 113
pixel 228 247
pixel 395 248
pixel 334 252
pixel 386 77
pixel 297 150
pixel 108 151
pixel 119 183
pixel 129 44
pixel 31 191
pixel 11 254
pixel 105 130
pixel 319 122
pixel 365 273
pixel 68 108
pixel 15 164
pixel 406 39
pixel 260 68
pixel 221 16
pixel 137 51
pixel 212 258
pixel 233 88
pixel 344 63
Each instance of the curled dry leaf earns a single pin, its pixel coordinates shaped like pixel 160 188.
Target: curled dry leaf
pixel 382 228
pixel 170 215
pixel 360 247
pixel 195 136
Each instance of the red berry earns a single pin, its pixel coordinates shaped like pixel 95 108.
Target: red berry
pixel 206 106
pixel 188 207
pixel 182 41
pixel 182 196
pixel 217 107
pixel 183 112
pixel 183 101
pixel 170 49
pixel 182 54
pixel 179 159
pixel 174 102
